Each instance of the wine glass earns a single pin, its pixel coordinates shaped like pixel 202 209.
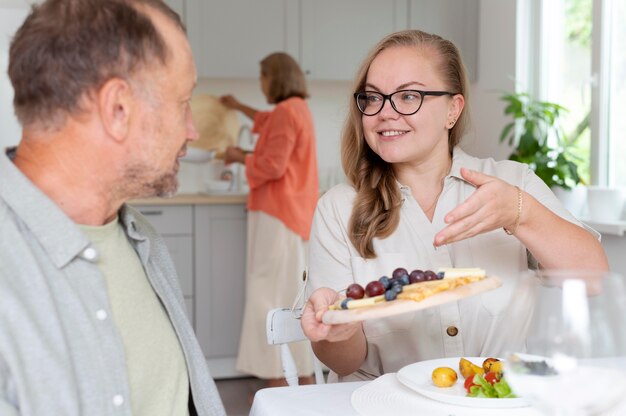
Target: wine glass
pixel 574 359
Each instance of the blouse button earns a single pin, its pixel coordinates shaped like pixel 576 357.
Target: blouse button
pixel 118 400
pixel 101 314
pixel 452 331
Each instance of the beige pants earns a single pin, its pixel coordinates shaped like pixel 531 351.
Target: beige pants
pixel 275 261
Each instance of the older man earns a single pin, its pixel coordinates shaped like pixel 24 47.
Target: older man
pixel 92 318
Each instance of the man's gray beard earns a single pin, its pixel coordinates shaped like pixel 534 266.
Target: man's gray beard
pixel 135 185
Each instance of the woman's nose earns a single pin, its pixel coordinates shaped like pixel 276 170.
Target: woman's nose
pixel 388 111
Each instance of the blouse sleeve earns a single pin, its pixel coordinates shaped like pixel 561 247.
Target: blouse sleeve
pixel 272 153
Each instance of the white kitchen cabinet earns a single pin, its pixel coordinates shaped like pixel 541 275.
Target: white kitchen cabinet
pixel 207 243
pixel 337 34
pixel 175 224
pixel 230 37
pixel 329 38
pixel 220 262
pixel 455 20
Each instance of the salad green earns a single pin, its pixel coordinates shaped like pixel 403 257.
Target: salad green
pixel 482 388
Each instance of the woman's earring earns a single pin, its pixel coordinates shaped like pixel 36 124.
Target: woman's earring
pixel 452 123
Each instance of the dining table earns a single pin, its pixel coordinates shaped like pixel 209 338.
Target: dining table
pixel 385 395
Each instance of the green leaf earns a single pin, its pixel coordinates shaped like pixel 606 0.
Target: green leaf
pixel 506 131
pixel 534 144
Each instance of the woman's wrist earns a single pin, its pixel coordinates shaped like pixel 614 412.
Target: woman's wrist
pixel 512 229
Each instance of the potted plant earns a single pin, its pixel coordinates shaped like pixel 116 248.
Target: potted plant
pixel 539 141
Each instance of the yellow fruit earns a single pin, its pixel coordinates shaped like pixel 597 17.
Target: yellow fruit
pixel 489 362
pixel 467 368
pixel 444 377
pixel 496 367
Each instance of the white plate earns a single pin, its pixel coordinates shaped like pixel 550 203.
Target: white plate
pixel 418 377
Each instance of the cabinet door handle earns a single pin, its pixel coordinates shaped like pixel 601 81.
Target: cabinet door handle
pixel 152 212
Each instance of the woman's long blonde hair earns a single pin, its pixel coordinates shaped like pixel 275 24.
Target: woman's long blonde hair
pixel 376 210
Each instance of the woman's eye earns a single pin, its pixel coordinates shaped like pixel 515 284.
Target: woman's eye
pixel 410 96
pixel 372 98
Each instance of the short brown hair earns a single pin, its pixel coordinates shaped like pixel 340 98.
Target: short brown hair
pixel 376 210
pixel 285 77
pixel 66 49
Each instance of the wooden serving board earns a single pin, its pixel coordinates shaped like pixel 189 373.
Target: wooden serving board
pixel 399 306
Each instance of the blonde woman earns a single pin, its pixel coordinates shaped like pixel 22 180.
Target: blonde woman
pixel 416 200
pixel 282 174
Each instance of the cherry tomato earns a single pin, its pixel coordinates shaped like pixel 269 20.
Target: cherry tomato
pixel 492 377
pixel 469 382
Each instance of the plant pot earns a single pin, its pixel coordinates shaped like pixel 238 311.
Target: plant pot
pixel 605 204
pixel 574 200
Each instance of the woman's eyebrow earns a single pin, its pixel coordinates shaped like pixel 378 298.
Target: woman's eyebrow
pixel 398 88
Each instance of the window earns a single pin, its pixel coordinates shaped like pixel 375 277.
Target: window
pixel 577 55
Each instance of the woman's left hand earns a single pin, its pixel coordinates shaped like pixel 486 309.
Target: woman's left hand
pixel 234 154
pixel 493 205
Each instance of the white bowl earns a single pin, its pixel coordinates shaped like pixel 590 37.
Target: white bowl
pixel 216 185
pixel 195 155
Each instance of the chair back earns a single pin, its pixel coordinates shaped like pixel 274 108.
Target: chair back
pixel 282 328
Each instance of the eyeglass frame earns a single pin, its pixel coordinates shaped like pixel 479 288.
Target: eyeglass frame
pixel 387 97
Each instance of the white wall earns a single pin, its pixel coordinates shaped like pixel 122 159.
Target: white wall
pixel 496 71
pixel 12 13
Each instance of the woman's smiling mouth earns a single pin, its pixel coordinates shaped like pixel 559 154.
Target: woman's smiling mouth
pixel 392 133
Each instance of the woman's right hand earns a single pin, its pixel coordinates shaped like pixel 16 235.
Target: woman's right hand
pixel 311 320
pixel 230 102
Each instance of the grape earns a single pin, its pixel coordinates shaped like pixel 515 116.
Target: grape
pixel 374 288
pixel 416 276
pixel 355 291
pixel 430 275
pixel 399 272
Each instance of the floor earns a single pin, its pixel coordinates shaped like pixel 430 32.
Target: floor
pixel 237 392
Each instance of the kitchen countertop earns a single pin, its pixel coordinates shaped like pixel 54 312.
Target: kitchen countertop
pixel 195 199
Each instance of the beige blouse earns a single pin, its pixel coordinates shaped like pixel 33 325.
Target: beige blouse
pixel 481 322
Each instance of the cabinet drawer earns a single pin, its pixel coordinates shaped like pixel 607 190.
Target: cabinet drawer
pixel 169 219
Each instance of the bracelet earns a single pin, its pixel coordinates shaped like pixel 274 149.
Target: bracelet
pixel 519 213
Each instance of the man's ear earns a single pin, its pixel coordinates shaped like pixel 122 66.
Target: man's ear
pixel 115 105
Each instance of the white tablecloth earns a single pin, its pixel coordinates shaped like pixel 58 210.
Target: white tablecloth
pixel 383 396
pixel 314 400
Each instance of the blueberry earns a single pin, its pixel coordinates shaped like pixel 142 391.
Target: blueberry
pixel 399 272
pixel 440 275
pixel 396 288
pixel 404 279
pixel 385 281
pixel 391 294
pixel 344 303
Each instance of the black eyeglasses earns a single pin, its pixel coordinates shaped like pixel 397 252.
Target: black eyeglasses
pixel 405 102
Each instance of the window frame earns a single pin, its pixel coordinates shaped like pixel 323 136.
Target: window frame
pixel 531 76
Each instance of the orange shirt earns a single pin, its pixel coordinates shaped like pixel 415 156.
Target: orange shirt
pixel 282 171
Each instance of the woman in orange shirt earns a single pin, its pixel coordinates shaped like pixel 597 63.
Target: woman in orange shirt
pixel 283 180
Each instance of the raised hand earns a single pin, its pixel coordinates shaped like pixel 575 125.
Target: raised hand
pixel 493 205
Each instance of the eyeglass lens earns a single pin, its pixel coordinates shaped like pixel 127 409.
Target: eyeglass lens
pixel 404 102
